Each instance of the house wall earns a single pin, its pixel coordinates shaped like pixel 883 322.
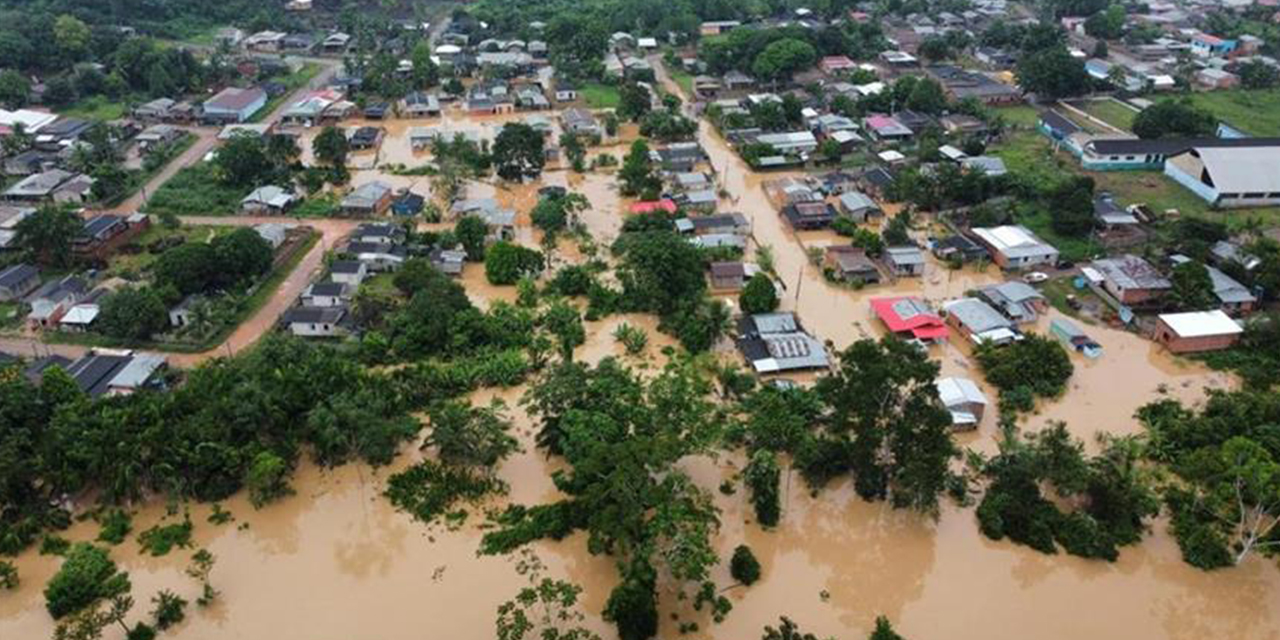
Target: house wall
pixel 1177 344
pixel 1130 296
pixel 308 330
pixel 1204 191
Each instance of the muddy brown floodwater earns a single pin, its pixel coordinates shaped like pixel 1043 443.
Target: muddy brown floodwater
pixel 336 562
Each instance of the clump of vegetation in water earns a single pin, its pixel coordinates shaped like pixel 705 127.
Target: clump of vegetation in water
pixel 87 576
pixel 116 525
pixel 8 575
pixel 1036 366
pixel 53 545
pixel 1111 494
pixel 169 611
pixel 160 540
pixel 429 489
pixel 633 338
pixel 743 566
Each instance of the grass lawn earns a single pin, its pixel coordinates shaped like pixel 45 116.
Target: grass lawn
pixel 1074 249
pixel 96 108
pixel 682 78
pixel 1020 116
pixel 131 266
pixel 381 283
pixel 1255 112
pixel 325 205
pixel 1025 151
pixel 195 191
pixel 600 96
pixel 9 314
pixel 1109 111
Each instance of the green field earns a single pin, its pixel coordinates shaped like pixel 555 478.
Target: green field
pixel 195 191
pixel 600 96
pixel 1019 116
pixel 1109 111
pixel 683 79
pixel 96 108
pixel 1254 112
pixel 1030 152
pixel 131 266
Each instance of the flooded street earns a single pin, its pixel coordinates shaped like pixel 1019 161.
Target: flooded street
pixel 337 562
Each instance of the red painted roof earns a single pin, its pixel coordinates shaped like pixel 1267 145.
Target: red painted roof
pixel 665 204
pixel 919 319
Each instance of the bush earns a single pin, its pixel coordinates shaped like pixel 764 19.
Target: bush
pixel 743 566
pixel 759 296
pixel 86 576
pixel 762 477
pixel 633 339
pixel 116 525
pixel 505 263
pixel 8 575
pixel 160 540
pixel 169 609
pixel 428 490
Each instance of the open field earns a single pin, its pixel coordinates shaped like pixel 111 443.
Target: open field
pixel 1108 111
pixel 194 191
pixel 97 108
pixel 1254 112
pixel 600 96
pixel 1028 151
pixel 131 265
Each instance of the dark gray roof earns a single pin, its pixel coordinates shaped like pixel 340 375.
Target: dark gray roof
pixel 314 315
pixel 1171 146
pixel 17 274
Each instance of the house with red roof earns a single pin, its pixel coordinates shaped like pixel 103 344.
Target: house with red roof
pixel 837 64
pixel 653 206
pixel 910 318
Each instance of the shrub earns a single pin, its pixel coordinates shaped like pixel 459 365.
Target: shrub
pixel 169 609
pixel 759 296
pixel 743 566
pixel 86 576
pixel 160 540
pixel 116 525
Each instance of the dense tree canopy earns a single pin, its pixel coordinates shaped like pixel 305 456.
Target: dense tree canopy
pixel 1174 118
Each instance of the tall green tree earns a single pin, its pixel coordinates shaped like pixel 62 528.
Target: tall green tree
pixel 885 412
pixel 637 176
pixel 47 234
pixel 519 152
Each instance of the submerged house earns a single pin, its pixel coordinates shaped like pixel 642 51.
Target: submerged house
pixel 776 343
pixel 911 318
pixel 964 400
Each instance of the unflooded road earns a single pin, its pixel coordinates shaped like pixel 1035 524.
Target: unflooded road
pixel 336 562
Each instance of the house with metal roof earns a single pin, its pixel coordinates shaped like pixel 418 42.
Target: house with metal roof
pixel 1017 300
pixel 17 281
pixel 910 317
pixel 1227 177
pixel 809 215
pixel 1197 331
pixel 1131 279
pixel 1015 246
pixel 964 400
pixel 904 261
pixel 790 142
pixel 234 105
pixel 268 199
pixel 1235 298
pixel 979 322
pixel 858 206
pixel 777 343
pixel 850 264
pixel 371 198
pixel 327 294
pixel 316 322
